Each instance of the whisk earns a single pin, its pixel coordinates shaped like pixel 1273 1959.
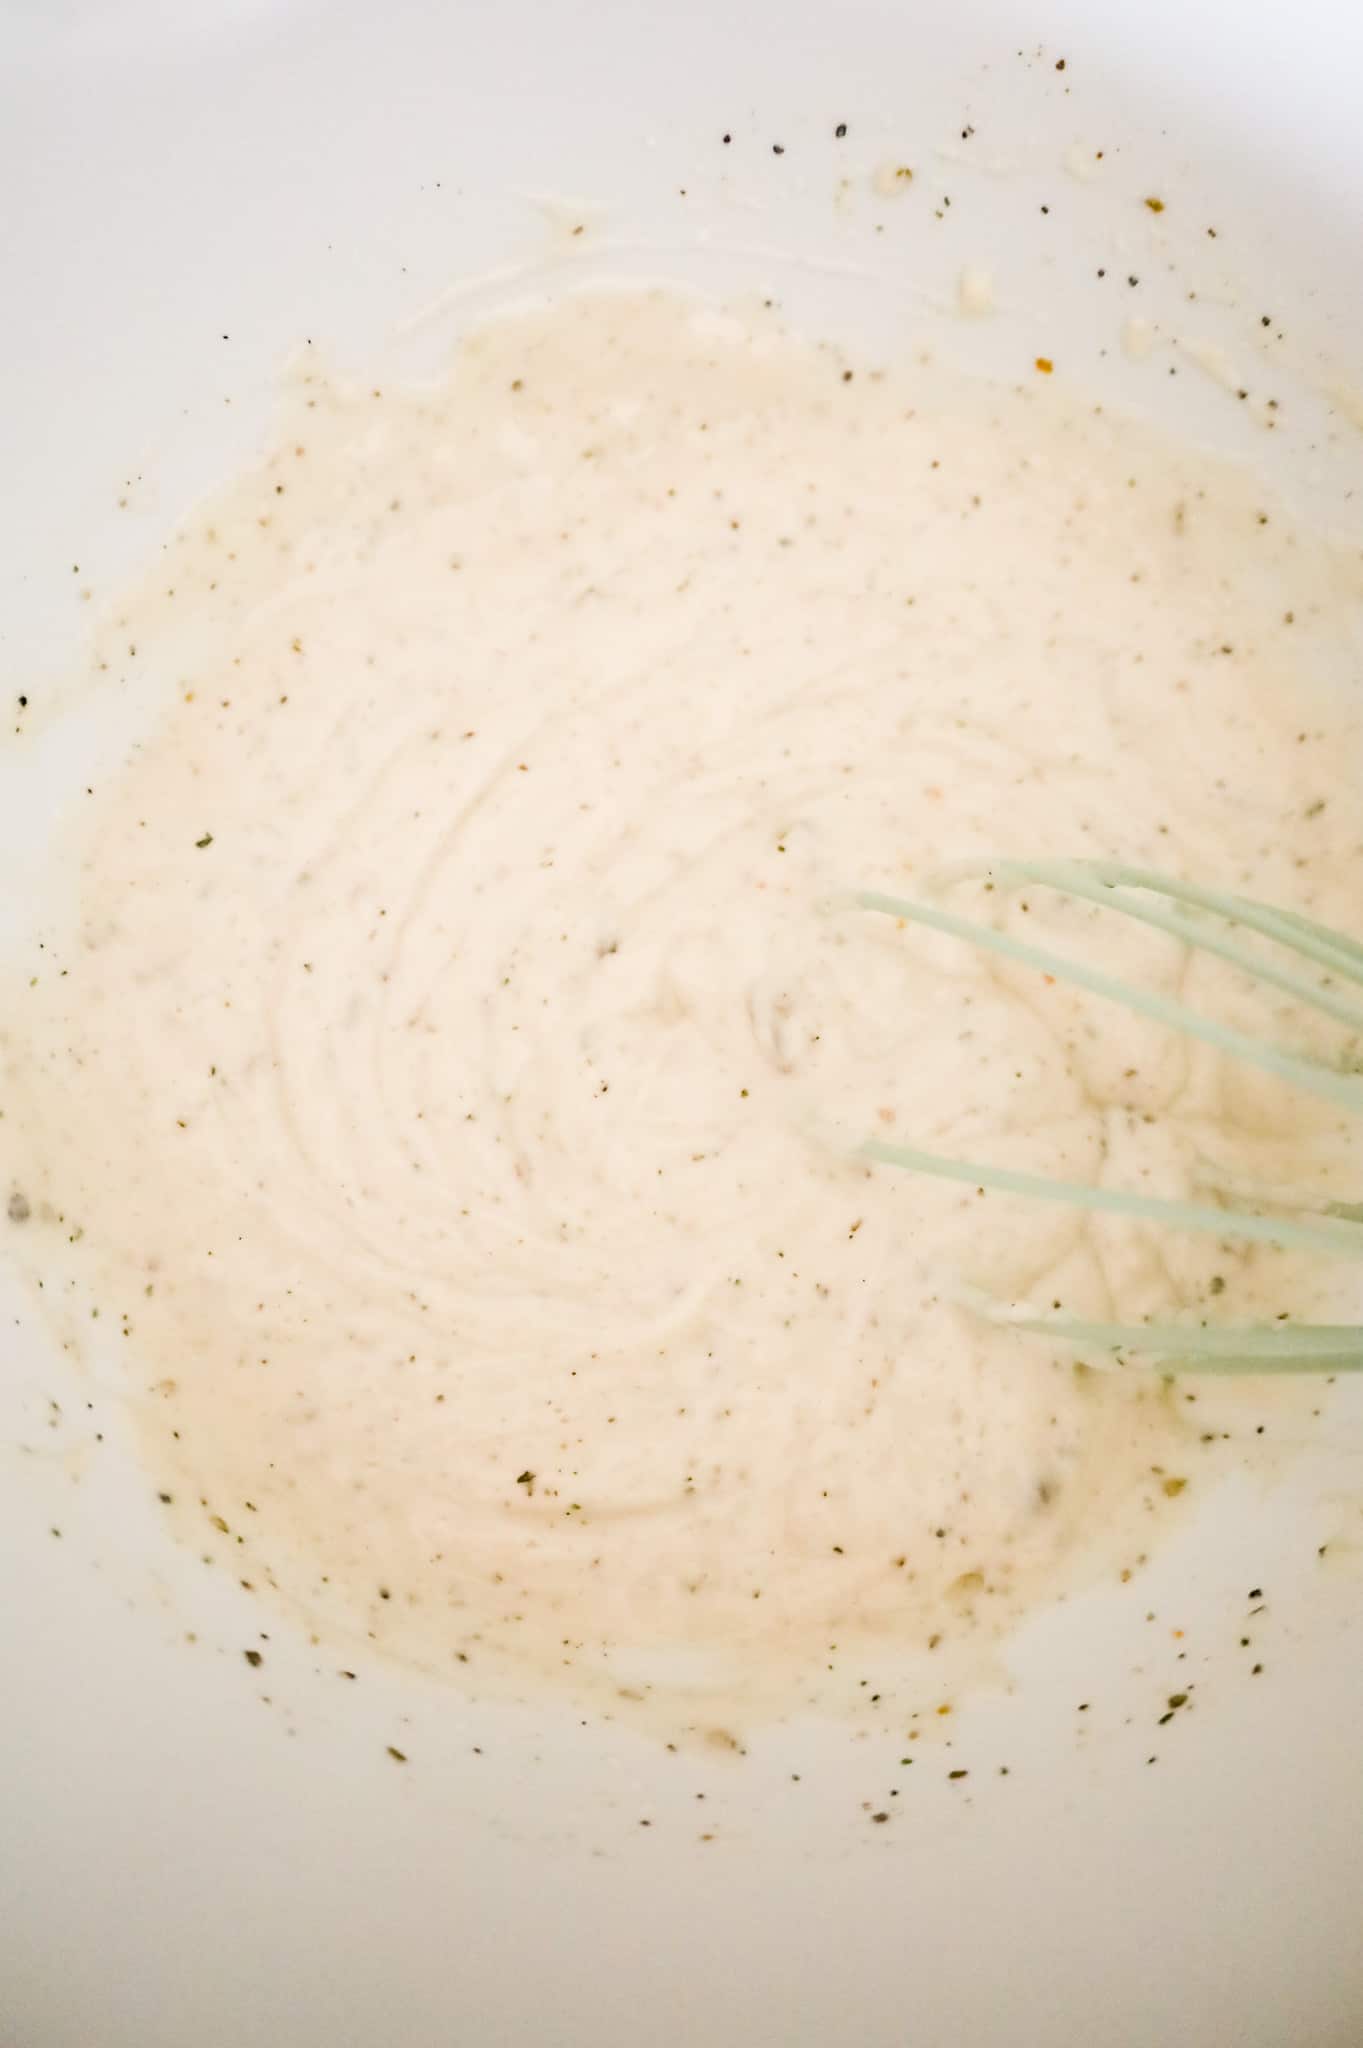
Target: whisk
pixel 1212 922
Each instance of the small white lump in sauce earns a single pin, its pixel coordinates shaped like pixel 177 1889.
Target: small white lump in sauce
pixel 453 1065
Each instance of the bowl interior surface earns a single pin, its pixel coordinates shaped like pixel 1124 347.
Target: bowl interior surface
pixel 203 190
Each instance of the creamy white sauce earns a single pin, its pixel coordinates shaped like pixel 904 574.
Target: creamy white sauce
pixel 1138 339
pixel 975 291
pixel 1082 162
pixel 453 1072
pixel 891 178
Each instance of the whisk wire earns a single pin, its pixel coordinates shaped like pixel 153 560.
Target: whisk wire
pixel 1112 887
pixel 1335 1227
pixel 1343 1088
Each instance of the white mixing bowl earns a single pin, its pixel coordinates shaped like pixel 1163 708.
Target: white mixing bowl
pixel 188 1856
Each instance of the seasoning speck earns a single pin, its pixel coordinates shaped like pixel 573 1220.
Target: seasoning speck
pixel 17 1208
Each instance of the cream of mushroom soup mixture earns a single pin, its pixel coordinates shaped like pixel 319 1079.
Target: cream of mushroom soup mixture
pixel 449 1063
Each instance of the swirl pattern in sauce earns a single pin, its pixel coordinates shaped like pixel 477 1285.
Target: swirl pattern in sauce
pixel 454 1064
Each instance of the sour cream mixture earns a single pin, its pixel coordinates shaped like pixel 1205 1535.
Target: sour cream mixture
pixel 451 1075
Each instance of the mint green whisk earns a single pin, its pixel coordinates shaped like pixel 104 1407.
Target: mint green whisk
pixel 1212 922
